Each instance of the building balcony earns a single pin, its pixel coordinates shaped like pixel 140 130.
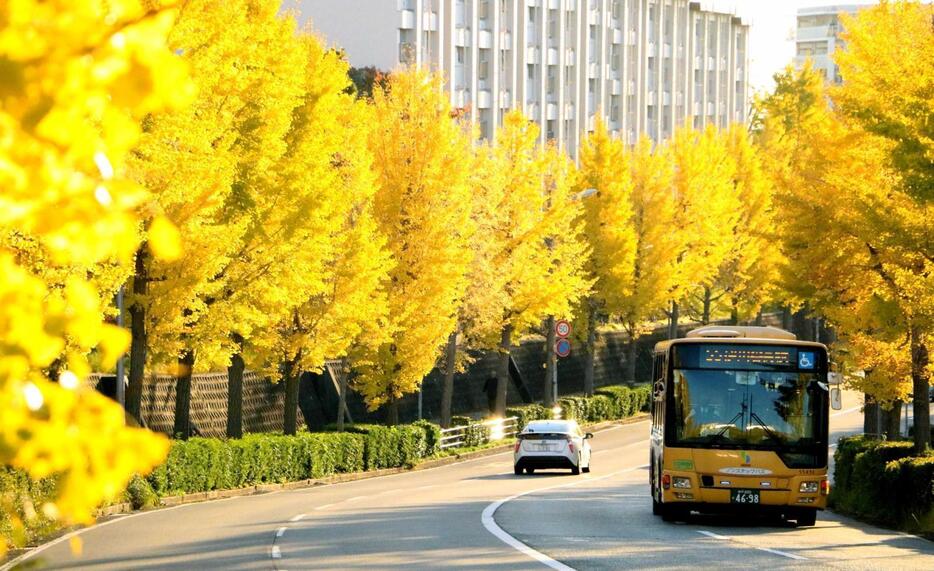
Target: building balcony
pixel 407 20
pixel 484 99
pixel 505 99
pixel 485 39
pixel 462 37
pixel 533 55
pixel 461 98
pixel 814 33
pixel 593 70
pixel 616 87
pixel 617 36
pixel 551 111
pixel 552 56
pixel 570 57
pixel 431 22
pixel 554 4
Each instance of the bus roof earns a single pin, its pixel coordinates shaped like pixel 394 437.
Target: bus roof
pixel 736 333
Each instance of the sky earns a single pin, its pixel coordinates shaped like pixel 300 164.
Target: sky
pixel 772 35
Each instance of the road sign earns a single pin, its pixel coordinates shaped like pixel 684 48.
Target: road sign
pixel 562 328
pixel 563 347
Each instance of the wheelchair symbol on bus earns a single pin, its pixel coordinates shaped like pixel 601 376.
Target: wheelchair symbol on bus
pixel 806 360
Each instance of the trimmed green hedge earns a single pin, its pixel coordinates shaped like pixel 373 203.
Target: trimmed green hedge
pixel 881 482
pixel 608 403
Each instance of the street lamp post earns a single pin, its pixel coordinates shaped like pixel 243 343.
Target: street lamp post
pixel 119 386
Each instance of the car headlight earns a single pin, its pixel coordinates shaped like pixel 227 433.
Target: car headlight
pixel 679 482
pixel 809 487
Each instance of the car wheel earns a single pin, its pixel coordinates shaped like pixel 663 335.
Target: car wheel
pixel 656 507
pixel 577 469
pixel 530 471
pixel 517 470
pixel 586 469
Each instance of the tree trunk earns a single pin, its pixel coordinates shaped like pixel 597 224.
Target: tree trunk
pixel 291 375
pixel 140 341
pixel 920 358
pixel 186 363
pixel 734 313
pixel 786 318
pixel 591 350
pixel 631 355
pixel 447 389
pixel 235 390
pixel 341 397
pixel 759 317
pixel 551 362
pixel 392 418
pixel 502 376
pixel 892 419
pixel 673 320
pixel 705 318
pixel 871 426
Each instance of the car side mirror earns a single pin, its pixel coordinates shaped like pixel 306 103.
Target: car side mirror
pixel 836 398
pixel 588 436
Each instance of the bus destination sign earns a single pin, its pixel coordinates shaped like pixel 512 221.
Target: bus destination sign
pixel 737 356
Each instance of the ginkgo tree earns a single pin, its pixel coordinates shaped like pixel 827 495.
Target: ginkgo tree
pixel 78 78
pixel 610 233
pixel 541 252
pixel 422 159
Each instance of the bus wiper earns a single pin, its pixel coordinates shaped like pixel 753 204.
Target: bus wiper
pixel 732 422
pixel 771 434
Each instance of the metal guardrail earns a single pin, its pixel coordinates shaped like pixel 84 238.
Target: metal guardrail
pixel 478 433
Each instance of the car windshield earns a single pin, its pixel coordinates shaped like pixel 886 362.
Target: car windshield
pixel 750 409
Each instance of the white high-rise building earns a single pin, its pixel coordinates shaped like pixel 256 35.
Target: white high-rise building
pixel 645 66
pixel 818 36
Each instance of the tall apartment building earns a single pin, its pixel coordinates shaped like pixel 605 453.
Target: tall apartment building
pixel 818 36
pixel 644 66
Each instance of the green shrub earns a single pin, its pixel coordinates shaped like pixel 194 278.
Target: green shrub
pixel 21 499
pixel 528 413
pixel 140 494
pixel 432 436
pixel 883 483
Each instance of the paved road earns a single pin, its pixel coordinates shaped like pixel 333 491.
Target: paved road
pixel 431 519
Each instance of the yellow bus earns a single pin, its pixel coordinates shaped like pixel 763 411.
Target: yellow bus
pixel 740 424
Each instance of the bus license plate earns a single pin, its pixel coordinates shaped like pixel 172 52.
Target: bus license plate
pixel 744 496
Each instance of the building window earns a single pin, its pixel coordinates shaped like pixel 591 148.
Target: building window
pixel 808 49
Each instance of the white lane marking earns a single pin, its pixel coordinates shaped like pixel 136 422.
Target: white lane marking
pixel 299 517
pixel 712 534
pixel 490 523
pixel 323 507
pixel 766 549
pixel 424 488
pixel 783 553
pixel 280 532
pixel 847 411
pixel 356 498
pixel 276 554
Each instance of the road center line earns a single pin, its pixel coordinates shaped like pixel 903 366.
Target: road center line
pixel 713 535
pixel 356 498
pixel 323 507
pixel 782 553
pixel 299 517
pixel 280 532
pixel 276 554
pixel 490 524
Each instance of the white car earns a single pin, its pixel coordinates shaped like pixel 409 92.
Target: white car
pixel 546 444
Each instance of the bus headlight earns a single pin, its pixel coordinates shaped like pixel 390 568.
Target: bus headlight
pixel 679 482
pixel 809 487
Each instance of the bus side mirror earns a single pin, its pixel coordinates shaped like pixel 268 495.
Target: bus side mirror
pixel 834 378
pixel 836 398
pixel 659 389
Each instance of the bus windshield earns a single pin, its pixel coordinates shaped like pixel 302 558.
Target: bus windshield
pixel 747 408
